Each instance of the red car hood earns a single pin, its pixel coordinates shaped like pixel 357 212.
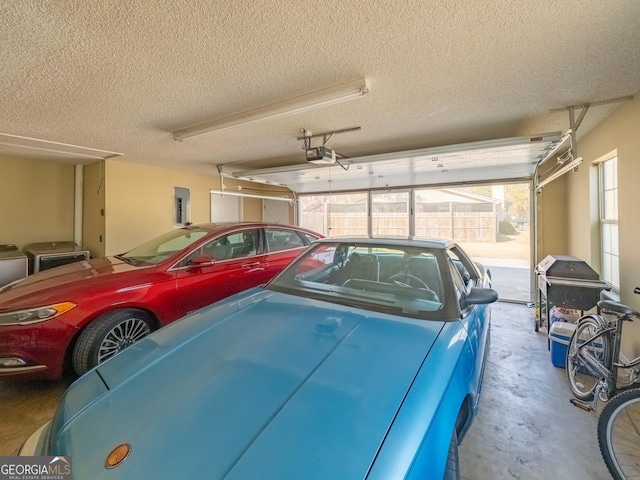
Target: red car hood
pixel 52 285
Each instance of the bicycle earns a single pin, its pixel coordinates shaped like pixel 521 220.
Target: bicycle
pixel 592 370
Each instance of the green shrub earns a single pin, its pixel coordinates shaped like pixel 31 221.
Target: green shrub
pixel 506 228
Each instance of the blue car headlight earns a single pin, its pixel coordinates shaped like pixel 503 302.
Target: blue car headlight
pixel 34 315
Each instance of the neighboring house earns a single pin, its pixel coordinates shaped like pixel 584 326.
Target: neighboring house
pixel 457 215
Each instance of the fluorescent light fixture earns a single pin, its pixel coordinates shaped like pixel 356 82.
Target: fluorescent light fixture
pixel 55 147
pixel 560 172
pixel 303 103
pixel 250 195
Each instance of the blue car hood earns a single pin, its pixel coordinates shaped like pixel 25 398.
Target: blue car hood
pixel 262 385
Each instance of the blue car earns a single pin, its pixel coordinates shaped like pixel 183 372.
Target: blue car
pixel 363 359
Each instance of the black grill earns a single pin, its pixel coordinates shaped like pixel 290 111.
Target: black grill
pixel 569 282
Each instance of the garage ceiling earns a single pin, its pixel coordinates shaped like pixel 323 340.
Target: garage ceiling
pixel 123 76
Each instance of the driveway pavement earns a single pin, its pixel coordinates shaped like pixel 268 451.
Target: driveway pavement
pixel 511 278
pixel 506 258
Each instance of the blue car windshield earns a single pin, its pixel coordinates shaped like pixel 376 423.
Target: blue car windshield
pixel 163 247
pixel 400 280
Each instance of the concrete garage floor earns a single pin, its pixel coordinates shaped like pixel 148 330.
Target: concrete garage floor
pixel 526 428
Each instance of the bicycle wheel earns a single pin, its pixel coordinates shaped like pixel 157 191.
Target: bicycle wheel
pixel 619 435
pixel 582 379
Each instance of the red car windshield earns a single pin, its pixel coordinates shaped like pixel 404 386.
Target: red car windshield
pixel 164 246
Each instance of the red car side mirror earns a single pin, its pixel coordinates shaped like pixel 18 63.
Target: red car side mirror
pixel 201 261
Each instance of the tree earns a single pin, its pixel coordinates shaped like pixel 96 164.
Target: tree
pixel 518 195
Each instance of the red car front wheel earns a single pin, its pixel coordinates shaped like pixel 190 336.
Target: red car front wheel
pixel 107 335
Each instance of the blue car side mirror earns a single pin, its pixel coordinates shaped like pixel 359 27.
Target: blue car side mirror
pixel 481 296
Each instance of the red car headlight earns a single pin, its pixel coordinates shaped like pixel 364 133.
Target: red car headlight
pixel 34 315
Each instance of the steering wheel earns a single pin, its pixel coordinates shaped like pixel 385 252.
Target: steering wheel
pixel 398 277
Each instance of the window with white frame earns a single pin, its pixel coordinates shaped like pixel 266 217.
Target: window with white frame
pixel 608 176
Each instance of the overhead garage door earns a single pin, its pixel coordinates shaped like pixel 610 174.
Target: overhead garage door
pixel 427 193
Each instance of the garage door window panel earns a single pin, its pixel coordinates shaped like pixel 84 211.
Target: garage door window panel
pixel 336 214
pixel 390 214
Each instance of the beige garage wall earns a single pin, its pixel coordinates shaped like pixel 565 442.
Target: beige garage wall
pixel 139 201
pixel 36 201
pixel 552 220
pixel 619 132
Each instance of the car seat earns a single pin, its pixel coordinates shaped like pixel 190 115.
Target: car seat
pixel 426 269
pixel 249 244
pixel 220 250
pixel 362 266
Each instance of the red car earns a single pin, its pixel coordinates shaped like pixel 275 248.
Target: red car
pixel 85 312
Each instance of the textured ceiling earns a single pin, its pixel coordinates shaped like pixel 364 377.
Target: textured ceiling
pixel 122 76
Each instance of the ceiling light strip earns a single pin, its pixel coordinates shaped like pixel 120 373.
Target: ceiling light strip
pixel 303 103
pixel 55 147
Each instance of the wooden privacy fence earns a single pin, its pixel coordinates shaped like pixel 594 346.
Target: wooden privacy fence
pixel 456 226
